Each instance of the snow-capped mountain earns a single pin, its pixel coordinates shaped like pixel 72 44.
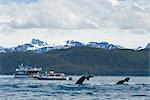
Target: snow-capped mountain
pixel 34 45
pixel 39 46
pixel 104 45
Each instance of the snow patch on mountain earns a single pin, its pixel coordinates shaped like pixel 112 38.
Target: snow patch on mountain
pixel 38 43
pixel 2 49
pixel 72 43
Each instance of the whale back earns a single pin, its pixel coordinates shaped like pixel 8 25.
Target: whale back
pixel 123 81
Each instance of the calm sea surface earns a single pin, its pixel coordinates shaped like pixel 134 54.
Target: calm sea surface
pixel 97 88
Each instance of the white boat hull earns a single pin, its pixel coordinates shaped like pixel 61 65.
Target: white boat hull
pixel 21 76
pixel 40 78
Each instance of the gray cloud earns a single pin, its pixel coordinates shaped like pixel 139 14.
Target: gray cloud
pixel 132 15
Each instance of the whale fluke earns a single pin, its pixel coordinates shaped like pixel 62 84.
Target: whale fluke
pixel 81 79
pixel 123 81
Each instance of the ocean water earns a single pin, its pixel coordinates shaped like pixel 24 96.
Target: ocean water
pixel 97 88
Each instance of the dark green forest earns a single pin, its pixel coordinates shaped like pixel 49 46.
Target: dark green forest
pixel 81 60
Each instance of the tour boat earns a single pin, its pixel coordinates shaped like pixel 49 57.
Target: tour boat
pixel 27 72
pixel 51 75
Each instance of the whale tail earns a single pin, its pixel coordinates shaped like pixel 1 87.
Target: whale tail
pixel 127 79
pixel 81 79
pixel 88 77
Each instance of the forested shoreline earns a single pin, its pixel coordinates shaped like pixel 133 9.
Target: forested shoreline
pixel 81 60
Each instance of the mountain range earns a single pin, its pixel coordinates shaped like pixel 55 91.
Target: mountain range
pixel 77 58
pixel 39 46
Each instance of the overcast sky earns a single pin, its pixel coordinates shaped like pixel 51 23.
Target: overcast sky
pixel 122 22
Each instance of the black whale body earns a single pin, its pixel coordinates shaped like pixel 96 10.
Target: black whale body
pixel 123 81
